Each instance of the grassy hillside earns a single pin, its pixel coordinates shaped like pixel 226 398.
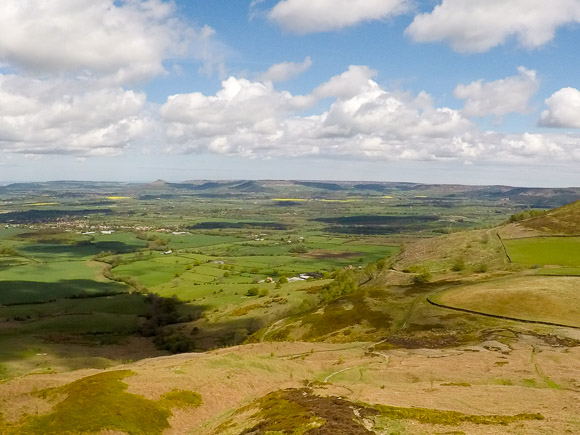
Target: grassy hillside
pixel 466 254
pixel 563 220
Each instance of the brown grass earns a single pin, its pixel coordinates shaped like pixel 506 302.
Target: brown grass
pixel 535 298
pixel 563 220
pixel 230 378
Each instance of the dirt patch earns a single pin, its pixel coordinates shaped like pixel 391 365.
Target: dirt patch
pixel 322 254
pixel 422 340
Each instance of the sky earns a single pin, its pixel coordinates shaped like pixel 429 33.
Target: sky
pixel 431 91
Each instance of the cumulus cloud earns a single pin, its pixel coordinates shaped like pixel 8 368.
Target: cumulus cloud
pixel 68 117
pixel 499 97
pixel 282 72
pixel 127 39
pixel 475 26
pixel 254 119
pixel 563 109
pixel 362 120
pixel 73 60
pixel 232 122
pixel 311 16
pixel 350 83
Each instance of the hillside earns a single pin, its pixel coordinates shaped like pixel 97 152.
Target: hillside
pixel 309 388
pixel 563 220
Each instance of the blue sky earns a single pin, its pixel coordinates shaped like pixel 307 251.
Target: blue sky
pixel 435 91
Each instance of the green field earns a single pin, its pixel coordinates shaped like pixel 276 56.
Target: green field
pixel 559 271
pixel 561 251
pixel 117 304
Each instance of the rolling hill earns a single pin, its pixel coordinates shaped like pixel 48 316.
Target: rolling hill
pixel 563 220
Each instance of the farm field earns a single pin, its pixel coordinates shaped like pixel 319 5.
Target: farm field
pixel 542 251
pixel 534 298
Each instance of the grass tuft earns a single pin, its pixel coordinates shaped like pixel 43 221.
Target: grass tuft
pixel 100 402
pixel 181 399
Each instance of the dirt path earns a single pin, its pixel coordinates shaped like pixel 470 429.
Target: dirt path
pixel 534 360
pixel 270 328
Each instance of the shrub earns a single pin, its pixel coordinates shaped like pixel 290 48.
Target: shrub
pixel 422 278
pixel 299 249
pixel 252 291
pixel 526 214
pixel 458 265
pixel 482 268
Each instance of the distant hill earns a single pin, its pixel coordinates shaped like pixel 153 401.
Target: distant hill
pixel 437 195
pixel 531 196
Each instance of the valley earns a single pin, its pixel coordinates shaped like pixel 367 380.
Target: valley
pixel 289 307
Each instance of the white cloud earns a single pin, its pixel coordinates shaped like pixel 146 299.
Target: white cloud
pixel 350 83
pixel 233 121
pixel 478 25
pixel 363 120
pixel 254 119
pixel 499 97
pixel 72 58
pixel 125 40
pixel 311 16
pixel 68 117
pixel 209 51
pixel 563 109
pixel 282 72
